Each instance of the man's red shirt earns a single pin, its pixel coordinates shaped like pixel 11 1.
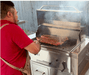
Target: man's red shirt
pixel 13 41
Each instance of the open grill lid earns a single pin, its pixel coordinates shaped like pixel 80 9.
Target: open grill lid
pixel 59 23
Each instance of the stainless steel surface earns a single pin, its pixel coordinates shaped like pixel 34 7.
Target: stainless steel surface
pixel 47 60
pixel 56 23
pixel 79 59
pixel 56 11
pixel 55 6
pixel 54 58
pixel 87 55
pixel 57 32
pixel 65 59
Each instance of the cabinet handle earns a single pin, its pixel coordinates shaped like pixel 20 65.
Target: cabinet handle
pixel 44 62
pixel 64 66
pixel 43 73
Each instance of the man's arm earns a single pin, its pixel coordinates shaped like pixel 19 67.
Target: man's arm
pixel 23 41
pixel 34 47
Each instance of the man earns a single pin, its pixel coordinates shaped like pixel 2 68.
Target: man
pixel 14 41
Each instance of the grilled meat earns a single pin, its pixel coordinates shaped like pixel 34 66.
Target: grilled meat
pixel 53 40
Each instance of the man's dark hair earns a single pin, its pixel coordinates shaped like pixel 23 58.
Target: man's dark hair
pixel 5 7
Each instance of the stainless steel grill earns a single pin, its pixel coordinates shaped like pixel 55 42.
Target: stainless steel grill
pixel 68 58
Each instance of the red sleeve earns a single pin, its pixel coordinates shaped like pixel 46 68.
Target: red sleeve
pixel 19 37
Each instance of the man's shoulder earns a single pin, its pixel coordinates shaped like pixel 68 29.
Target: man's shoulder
pixel 14 26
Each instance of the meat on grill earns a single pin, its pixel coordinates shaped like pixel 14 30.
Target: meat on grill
pixel 48 39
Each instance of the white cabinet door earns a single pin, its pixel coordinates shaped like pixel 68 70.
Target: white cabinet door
pixel 38 69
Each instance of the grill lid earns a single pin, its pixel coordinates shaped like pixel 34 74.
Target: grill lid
pixel 59 23
pixel 64 24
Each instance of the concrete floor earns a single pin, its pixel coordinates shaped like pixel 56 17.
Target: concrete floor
pixel 87 73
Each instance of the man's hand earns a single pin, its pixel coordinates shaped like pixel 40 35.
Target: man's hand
pixel 37 41
pixel 34 47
